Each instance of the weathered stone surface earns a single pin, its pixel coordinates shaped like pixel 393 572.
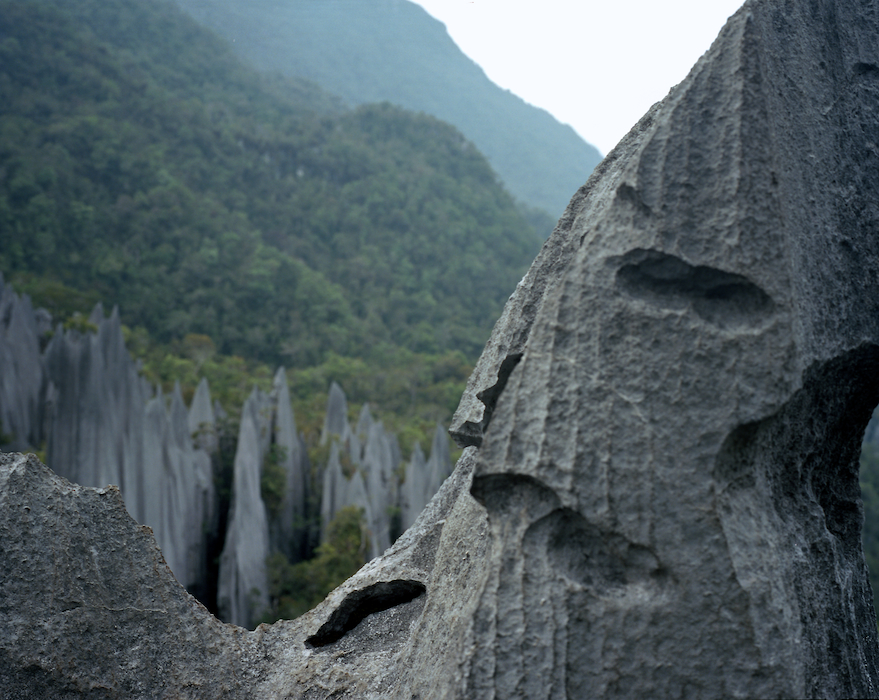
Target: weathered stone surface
pixel 379 469
pixel 671 469
pixel 413 488
pixel 94 431
pixel 89 607
pixel 336 420
pixel 105 427
pixel 423 478
pixel 439 464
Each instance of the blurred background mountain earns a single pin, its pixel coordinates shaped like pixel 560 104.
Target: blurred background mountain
pixel 394 51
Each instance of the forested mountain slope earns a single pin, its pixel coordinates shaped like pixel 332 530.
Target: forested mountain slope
pixel 393 50
pixel 142 164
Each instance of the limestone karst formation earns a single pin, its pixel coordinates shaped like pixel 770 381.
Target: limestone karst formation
pixel 103 424
pixel 659 495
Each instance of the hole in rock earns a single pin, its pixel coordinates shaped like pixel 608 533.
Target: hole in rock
pixel 513 494
pixel 583 553
pixel 721 298
pixel 866 70
pixel 490 396
pixel 358 605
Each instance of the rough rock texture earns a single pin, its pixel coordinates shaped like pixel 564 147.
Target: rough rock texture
pixel 413 488
pixel 202 418
pixel 90 609
pixel 95 432
pixel 671 469
pixel 336 419
pixel 665 499
pixel 375 457
pixel 379 465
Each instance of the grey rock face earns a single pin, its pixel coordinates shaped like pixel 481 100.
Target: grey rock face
pixel 202 419
pixel 670 472
pixel 379 466
pixel 105 427
pixel 413 488
pixel 94 420
pixel 336 419
pixel 90 609
pixel 374 455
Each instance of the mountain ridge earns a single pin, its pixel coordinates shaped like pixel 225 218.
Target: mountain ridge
pixel 393 50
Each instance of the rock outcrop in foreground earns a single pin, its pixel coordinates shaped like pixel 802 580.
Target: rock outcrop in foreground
pixel 660 494
pixel 103 423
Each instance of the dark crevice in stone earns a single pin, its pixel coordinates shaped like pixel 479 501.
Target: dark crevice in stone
pixel 721 298
pixel 469 434
pixel 513 493
pixel 866 69
pixel 359 605
pixel 490 396
pixel 799 470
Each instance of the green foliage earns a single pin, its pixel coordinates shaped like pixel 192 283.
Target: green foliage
pixel 56 297
pixel 78 322
pixel 297 588
pixel 406 57
pixel 143 164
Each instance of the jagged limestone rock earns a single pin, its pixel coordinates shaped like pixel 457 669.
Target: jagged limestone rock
pixel 22 378
pixel 364 423
pixel 90 608
pixel 671 469
pixel 439 464
pixel 379 469
pixel 423 477
pixel 105 428
pixel 242 589
pixel 287 530
pixel 93 423
pixel 413 489
pixel 189 499
pixel 336 419
pixel 333 491
pixel 202 419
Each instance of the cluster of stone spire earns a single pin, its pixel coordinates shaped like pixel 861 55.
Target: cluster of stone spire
pixel 103 423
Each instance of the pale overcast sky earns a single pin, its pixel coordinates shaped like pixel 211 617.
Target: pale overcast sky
pixel 597 66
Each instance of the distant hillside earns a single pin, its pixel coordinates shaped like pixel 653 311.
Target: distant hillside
pixel 141 163
pixel 377 50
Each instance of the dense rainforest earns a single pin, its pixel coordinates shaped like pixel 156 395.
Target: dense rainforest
pixel 143 164
pixel 393 50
